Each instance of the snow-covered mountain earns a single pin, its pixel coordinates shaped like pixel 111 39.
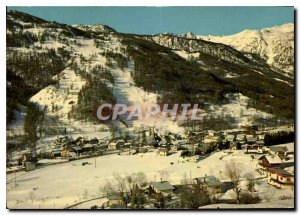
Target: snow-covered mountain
pixel 67 71
pixel 275 44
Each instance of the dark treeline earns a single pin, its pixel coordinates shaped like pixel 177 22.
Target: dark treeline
pixel 279 138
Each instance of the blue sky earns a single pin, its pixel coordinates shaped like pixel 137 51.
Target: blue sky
pixel 151 20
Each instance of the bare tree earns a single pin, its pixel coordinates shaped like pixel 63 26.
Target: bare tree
pixel 117 186
pixel 233 172
pixel 141 179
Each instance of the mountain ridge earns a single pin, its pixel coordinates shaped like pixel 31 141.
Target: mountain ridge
pixel 162 68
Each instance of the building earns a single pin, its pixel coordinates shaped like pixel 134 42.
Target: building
pixel 251 140
pixel 256 147
pixel 278 150
pixel 162 187
pixel 210 184
pixel 30 166
pixel 163 152
pixel 175 148
pixel 117 145
pixel 120 143
pixel 280 178
pixel 115 200
pixel 269 161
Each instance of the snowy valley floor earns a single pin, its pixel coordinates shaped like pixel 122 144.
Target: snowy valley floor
pixel 62 185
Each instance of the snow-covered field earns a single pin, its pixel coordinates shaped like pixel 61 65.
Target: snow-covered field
pixel 61 185
pixel 289 203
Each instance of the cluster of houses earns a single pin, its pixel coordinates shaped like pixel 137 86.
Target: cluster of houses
pixel 156 192
pixel 65 147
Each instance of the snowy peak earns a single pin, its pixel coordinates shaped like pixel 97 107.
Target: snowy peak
pixel 275 45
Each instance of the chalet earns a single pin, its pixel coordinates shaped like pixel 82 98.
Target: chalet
pixel 117 145
pixel 30 166
pixel 113 146
pixel 251 140
pixel 278 150
pixel 269 161
pixel 280 178
pixel 256 147
pixel 175 148
pixel 115 200
pixel 210 184
pixel 162 187
pixel 120 143
pixel 163 152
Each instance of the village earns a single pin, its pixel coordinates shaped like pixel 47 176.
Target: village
pixel 268 162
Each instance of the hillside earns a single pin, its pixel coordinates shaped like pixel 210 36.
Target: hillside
pixel 67 71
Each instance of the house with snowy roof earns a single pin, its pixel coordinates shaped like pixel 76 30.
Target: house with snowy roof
pixel 162 187
pixel 278 150
pixel 280 178
pixel 269 161
pixel 210 184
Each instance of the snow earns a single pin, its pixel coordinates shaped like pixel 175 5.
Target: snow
pixel 289 203
pixel 286 82
pixel 237 108
pixel 73 179
pixel 231 75
pixel 62 95
pixel 186 55
pixel 269 43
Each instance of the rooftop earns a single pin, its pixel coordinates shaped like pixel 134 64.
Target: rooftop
pixel 278 148
pixel 211 181
pixel 280 171
pixel 272 159
pixel 162 185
